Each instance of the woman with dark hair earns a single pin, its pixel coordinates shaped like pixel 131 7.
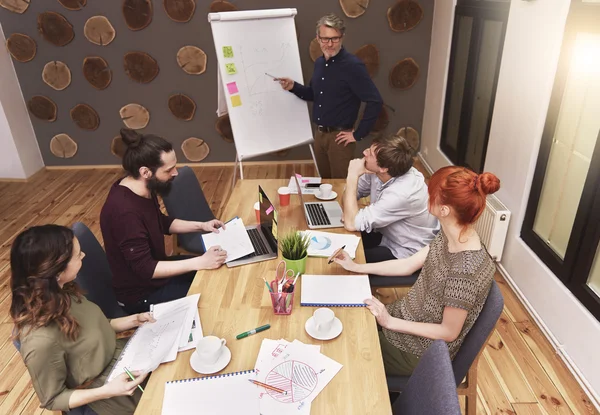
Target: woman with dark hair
pixel 455 279
pixel 67 344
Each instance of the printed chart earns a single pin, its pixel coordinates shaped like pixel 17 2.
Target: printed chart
pixel 296 378
pixel 319 242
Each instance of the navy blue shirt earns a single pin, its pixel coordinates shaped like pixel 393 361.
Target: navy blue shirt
pixel 337 87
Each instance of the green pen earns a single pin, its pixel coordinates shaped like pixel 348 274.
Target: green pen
pixel 248 333
pixel 132 378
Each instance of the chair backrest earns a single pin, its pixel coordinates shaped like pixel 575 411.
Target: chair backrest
pixel 476 337
pixel 94 276
pixel 430 389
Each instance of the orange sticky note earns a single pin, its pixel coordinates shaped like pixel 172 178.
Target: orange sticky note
pixel 236 101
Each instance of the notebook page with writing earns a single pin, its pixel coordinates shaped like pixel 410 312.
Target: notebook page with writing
pixel 334 290
pixel 234 239
pixel 226 394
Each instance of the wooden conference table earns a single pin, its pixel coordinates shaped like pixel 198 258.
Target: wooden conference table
pixel 234 300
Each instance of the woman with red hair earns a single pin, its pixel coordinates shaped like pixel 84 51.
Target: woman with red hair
pixel 455 279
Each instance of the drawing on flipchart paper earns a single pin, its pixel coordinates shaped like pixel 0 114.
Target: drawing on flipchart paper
pixel 256 61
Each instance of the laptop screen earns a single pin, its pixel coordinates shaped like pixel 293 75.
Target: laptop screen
pixel 268 215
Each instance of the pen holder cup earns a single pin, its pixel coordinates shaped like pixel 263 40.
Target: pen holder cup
pixel 282 303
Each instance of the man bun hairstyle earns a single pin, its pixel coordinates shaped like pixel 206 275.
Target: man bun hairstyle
pixel 143 150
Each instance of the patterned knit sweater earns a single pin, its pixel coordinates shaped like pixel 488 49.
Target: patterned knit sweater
pixel 461 280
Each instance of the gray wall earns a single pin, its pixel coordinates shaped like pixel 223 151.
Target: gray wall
pixel 162 39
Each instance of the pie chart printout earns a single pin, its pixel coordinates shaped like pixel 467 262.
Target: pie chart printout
pixel 320 243
pixel 296 378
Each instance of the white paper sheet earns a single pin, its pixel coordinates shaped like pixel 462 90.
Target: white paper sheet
pixel 324 244
pixel 234 239
pixel 191 303
pixel 334 290
pixel 305 190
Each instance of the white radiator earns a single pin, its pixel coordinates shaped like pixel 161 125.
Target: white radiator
pixel 492 226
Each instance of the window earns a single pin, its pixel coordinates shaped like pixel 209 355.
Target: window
pixel 477 40
pixel 562 221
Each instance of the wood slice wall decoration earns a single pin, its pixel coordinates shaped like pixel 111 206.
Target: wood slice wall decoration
pixel 369 54
pixel 97 72
pixel 382 121
pixel 99 31
pixel 134 116
pixel 85 117
pixel 57 75
pixel 182 106
pixel 63 146
pixel 42 107
pixel 404 15
pixel 404 74
pixel 218 6
pixel 314 49
pixel 354 8
pixel 140 67
pixel 55 28
pixel 195 149
pixel 137 13
pixel 223 127
pixel 192 60
pixel 73 4
pixel 180 10
pixel 21 47
pixel 118 147
pixel 282 153
pixel 411 135
pixel 15 6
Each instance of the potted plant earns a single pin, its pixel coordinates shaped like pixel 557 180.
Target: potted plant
pixel 294 249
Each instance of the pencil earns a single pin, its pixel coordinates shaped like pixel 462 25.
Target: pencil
pixel 335 254
pixel 264 385
pixel 132 378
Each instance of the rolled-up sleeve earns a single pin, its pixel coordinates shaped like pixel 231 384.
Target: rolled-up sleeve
pixel 45 362
pixel 134 244
pixel 388 209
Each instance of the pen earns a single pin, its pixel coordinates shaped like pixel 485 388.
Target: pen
pixel 256 330
pixel 132 378
pixel 275 79
pixel 264 385
pixel 267 284
pixel 332 257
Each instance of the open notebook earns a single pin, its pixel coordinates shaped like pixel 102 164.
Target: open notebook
pixel 226 394
pixel 334 290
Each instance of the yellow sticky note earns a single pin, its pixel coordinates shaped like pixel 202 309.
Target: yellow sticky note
pixel 230 68
pixel 275 216
pixel 236 101
pixel 274 230
pixel 228 51
pixel 260 197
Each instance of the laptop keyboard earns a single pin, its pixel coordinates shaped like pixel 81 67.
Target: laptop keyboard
pixel 317 214
pixel 257 242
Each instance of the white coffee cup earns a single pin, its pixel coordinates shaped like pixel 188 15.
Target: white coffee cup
pixel 209 349
pixel 323 318
pixel 325 190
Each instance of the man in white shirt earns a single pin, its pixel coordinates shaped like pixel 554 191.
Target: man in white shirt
pixel 397 222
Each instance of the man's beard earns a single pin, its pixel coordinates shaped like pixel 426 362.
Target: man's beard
pixel 159 187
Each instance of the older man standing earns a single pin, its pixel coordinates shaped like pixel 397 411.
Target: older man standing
pixel 339 84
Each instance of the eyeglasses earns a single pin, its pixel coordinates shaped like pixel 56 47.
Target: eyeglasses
pixel 330 39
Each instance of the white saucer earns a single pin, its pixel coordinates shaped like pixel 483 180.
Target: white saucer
pixel 334 331
pixel 332 196
pixel 206 369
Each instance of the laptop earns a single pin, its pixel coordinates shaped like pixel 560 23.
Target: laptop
pixel 261 235
pixel 320 215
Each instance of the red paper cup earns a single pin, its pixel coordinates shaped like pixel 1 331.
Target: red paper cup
pixel 257 211
pixel 284 196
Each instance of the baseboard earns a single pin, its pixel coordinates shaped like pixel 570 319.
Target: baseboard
pixel 581 380
pixel 424 163
pixel 215 164
pixel 25 180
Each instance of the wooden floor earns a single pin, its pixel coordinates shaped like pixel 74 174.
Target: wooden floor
pixel 519 372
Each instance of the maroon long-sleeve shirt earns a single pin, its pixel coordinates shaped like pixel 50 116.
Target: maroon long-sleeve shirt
pixel 133 228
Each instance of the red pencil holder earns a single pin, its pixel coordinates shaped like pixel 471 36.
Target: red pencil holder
pixel 282 303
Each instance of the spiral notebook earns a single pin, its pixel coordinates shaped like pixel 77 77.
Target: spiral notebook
pixel 226 394
pixel 334 290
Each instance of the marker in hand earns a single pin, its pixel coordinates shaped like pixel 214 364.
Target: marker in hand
pixel 275 79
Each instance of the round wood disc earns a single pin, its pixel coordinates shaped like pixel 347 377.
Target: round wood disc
pixel 118 147
pixel 21 47
pixel 15 6
pixel 57 75
pixel 192 60
pixel 315 49
pixel 140 67
pixel 404 74
pixel 218 6
pixel 42 107
pixel 370 57
pixel 383 120
pixel 73 4
pixel 134 116
pixel 63 146
pixel 180 10
pixel 99 31
pixel 195 149
pixel 55 28
pixel 97 72
pixel 404 15
pixel 223 127
pixel 85 117
pixel 354 8
pixel 411 135
pixel 137 13
pixel 182 106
